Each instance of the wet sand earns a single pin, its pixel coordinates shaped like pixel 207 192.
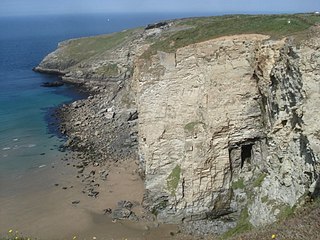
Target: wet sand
pixel 37 206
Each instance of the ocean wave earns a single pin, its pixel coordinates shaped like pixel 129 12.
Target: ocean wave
pixel 26 146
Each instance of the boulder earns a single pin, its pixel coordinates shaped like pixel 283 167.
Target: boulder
pixel 121 213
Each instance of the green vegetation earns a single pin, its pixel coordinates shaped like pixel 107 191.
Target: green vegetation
pixel 13 235
pixel 191 125
pixel 15 238
pixel 258 181
pixel 202 29
pixel 285 212
pixel 173 179
pixel 110 70
pixel 238 184
pixel 264 199
pixel 84 48
pixel 243 225
pixel 160 206
pixel 188 31
pixel 301 223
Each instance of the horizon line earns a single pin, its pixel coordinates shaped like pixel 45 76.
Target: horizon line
pixel 206 13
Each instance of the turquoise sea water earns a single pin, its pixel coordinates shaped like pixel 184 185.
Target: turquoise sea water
pixel 25 140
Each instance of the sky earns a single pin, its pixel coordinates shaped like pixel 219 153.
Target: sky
pixel 40 7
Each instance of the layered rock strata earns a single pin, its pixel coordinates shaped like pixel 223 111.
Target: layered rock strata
pixel 227 129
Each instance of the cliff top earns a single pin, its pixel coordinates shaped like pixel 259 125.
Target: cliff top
pixel 111 56
pixel 202 29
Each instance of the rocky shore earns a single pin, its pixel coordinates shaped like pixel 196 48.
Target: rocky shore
pixel 100 137
pixel 101 130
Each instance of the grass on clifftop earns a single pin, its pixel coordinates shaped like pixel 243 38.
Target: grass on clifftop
pixel 194 30
pixel 84 48
pixel 202 29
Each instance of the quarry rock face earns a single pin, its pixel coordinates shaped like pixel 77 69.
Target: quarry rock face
pixel 228 128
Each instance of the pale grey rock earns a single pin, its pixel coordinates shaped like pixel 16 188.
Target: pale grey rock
pixel 222 128
pixel 204 227
pixel 102 111
pixel 109 115
pixel 121 213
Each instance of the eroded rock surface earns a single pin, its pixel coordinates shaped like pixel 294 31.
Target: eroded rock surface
pixel 225 129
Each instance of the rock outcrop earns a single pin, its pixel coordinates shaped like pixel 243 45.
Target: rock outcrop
pixel 226 130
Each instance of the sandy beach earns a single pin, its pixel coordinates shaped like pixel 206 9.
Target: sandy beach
pixel 49 204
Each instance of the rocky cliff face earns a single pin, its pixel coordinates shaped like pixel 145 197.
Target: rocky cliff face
pixel 227 129
pixel 228 132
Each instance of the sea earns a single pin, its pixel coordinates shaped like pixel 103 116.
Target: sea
pixel 28 138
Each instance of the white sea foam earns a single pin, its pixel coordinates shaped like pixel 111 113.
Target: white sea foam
pixel 15 139
pixel 6 148
pixel 41 166
pixel 24 146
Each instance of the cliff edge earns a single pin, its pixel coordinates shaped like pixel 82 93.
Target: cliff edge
pixel 221 113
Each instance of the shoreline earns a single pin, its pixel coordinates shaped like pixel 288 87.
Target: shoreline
pixel 57 208
pixel 93 168
pixel 85 186
pixel 59 200
pixel 82 186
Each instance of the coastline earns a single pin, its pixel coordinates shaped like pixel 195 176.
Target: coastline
pixel 82 187
pixel 142 76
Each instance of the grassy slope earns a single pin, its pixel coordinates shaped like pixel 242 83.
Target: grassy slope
pixel 83 49
pixel 203 29
pixel 198 30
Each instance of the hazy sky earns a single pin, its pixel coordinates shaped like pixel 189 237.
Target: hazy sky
pixel 31 7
